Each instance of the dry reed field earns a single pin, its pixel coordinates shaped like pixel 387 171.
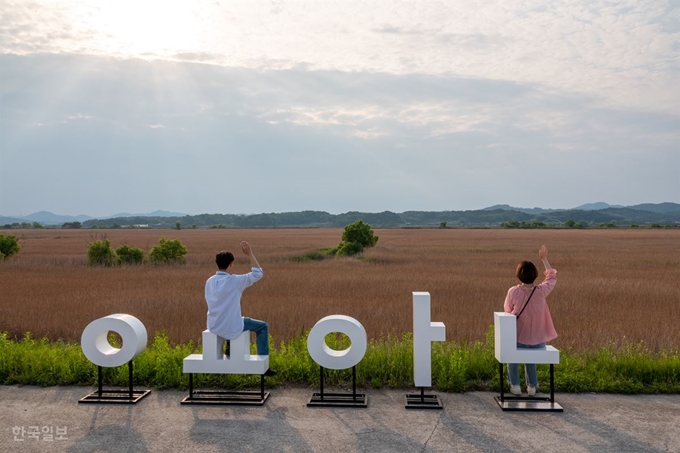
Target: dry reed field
pixel 613 285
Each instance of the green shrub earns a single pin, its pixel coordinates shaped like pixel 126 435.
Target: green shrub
pixel 167 251
pixel 318 255
pixel 100 253
pixel 9 245
pixel 356 237
pixel 130 255
pixel 348 249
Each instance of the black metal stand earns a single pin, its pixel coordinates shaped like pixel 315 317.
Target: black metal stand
pixel 529 403
pixel 423 401
pixel 224 397
pixel 354 399
pixel 114 396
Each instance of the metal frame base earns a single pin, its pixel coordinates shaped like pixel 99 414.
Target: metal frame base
pixel 114 396
pixel 225 397
pixel 423 401
pixel 529 403
pixel 324 399
pixel 338 400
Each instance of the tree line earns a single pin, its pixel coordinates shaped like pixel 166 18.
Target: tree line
pixel 388 219
pixel 619 217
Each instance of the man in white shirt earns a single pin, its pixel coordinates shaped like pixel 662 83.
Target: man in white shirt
pixel 223 296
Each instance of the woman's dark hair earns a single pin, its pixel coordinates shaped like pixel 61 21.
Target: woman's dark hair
pixel 526 272
pixel 224 259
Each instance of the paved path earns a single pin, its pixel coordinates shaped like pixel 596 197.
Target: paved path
pixel 470 422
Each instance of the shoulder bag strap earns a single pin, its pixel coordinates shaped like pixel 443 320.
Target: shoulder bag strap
pixel 527 302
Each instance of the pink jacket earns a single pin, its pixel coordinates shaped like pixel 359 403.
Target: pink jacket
pixel 535 325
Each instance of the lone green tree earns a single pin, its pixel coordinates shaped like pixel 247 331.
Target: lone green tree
pixel 356 237
pixel 167 251
pixel 100 253
pixel 9 245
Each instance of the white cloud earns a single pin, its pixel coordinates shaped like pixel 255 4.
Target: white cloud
pixel 422 105
pixel 79 116
pixel 625 54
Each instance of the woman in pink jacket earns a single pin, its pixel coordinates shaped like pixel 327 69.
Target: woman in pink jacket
pixel 534 324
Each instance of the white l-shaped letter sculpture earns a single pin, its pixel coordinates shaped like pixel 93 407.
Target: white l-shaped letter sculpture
pixel 506 351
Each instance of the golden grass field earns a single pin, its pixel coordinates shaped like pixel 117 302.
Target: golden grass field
pixel 613 285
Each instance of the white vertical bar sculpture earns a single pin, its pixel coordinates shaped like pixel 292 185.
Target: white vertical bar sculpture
pixel 424 333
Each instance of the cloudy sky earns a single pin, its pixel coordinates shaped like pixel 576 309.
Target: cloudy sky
pixel 272 106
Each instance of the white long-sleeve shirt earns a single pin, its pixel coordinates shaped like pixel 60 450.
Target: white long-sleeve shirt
pixel 223 296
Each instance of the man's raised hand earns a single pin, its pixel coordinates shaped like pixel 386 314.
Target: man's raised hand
pixel 245 247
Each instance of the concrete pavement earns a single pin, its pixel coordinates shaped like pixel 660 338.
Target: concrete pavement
pixel 470 422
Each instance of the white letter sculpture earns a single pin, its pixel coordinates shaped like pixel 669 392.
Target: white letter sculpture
pixel 95 343
pixel 424 333
pixel 330 358
pixel 505 332
pixel 214 361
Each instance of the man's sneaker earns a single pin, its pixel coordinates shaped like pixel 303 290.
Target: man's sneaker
pixel 515 390
pixel 531 390
pixel 270 373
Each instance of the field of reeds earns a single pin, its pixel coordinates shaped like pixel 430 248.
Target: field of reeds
pixel 615 287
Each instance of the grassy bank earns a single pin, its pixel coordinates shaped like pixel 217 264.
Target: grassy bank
pixel 456 367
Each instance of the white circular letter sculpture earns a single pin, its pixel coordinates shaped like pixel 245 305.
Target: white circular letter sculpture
pixel 330 358
pixel 95 344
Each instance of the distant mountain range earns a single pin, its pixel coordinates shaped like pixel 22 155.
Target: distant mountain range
pixel 591 214
pixel 598 206
pixel 47 218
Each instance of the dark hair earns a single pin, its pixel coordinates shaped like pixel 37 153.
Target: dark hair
pixel 526 272
pixel 224 259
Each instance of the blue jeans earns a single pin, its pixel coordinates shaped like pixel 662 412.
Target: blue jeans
pixel 529 368
pixel 261 330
